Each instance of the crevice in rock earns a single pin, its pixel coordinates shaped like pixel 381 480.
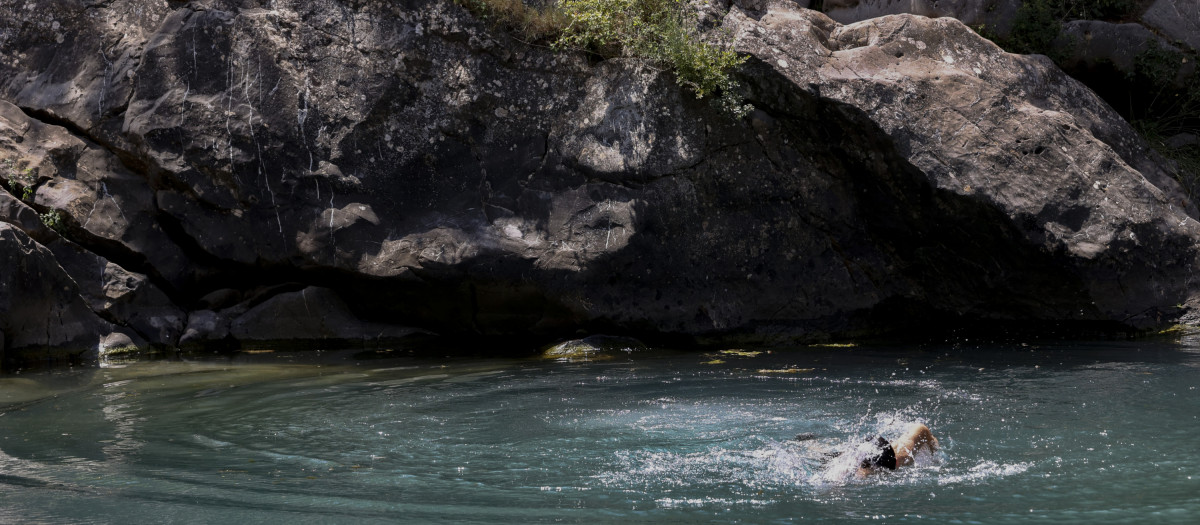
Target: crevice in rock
pixel 128 159
pixel 102 4
pixel 112 250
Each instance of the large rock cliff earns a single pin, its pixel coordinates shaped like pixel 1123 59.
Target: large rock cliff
pixel 223 173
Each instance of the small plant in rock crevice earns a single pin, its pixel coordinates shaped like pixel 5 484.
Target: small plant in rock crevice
pixel 53 219
pixel 20 183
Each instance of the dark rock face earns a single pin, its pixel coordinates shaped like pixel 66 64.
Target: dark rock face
pixel 236 171
pixel 1093 44
pixel 15 212
pixel 1176 20
pixel 309 314
pixel 43 312
pixel 120 296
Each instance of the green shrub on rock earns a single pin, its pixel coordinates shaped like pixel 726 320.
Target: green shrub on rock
pixel 53 219
pixel 661 31
pixel 19 182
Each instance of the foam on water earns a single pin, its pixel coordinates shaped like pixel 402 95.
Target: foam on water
pixel 983 471
pixel 750 463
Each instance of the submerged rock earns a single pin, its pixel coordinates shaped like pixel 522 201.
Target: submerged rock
pixel 593 348
pixel 117 345
pixel 342 171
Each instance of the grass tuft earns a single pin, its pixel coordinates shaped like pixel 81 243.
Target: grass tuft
pixel 661 31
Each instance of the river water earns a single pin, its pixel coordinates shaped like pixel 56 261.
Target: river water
pixel 1052 433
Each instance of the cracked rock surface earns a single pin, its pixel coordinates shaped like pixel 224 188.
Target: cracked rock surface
pixel 230 172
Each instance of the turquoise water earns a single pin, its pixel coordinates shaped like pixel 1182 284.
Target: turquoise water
pixel 1079 433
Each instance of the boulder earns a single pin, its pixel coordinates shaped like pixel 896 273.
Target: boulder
pixel 104 205
pixel 1176 20
pixel 221 299
pixel 205 329
pixel 42 314
pixel 593 348
pixel 1091 44
pixel 1094 41
pixel 18 214
pixel 118 343
pixel 1169 24
pixel 972 118
pixel 995 15
pixel 120 346
pixel 1183 140
pixel 313 316
pixel 127 299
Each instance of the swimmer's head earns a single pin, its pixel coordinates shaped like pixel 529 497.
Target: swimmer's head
pixel 882 456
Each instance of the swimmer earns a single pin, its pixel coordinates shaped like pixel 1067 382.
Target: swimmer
pixel 898 453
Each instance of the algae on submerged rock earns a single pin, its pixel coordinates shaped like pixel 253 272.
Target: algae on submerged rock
pixel 593 348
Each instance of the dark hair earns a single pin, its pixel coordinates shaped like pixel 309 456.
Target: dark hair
pixel 886 456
